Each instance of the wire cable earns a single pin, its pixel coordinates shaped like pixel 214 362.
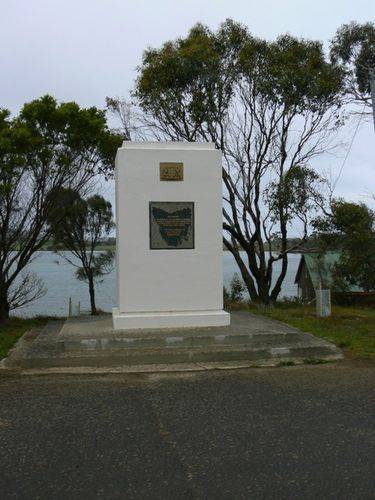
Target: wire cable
pixel 349 149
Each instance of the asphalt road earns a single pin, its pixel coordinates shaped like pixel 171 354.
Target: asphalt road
pixel 298 432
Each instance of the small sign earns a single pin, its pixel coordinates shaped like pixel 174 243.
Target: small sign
pixel 171 171
pixel 171 225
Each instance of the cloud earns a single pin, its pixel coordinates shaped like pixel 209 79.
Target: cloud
pixel 88 49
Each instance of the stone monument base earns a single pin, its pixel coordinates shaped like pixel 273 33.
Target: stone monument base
pixel 175 319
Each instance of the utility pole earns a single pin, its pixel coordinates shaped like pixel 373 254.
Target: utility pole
pixel 372 86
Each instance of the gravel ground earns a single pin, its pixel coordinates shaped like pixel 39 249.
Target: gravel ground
pixel 298 432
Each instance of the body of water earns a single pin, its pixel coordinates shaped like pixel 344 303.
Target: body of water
pixel 59 279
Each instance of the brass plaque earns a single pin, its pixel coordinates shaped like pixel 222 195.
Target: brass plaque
pixel 171 171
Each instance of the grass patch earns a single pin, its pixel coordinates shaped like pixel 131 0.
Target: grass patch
pixel 313 361
pixel 13 329
pixel 286 363
pixel 350 328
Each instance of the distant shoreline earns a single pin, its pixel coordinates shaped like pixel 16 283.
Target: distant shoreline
pixel 113 249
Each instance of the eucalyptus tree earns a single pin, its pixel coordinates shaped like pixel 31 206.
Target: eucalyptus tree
pixel 271 107
pixel 350 228
pixel 354 46
pixel 86 223
pixel 126 114
pixel 46 147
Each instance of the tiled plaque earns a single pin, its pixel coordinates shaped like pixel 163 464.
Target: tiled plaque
pixel 171 225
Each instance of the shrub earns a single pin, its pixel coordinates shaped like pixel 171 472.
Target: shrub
pixel 237 289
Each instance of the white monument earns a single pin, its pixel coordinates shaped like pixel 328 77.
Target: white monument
pixel 169 236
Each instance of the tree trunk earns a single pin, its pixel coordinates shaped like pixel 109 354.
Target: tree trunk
pixel 245 274
pixel 264 295
pixel 277 288
pixel 92 295
pixel 4 306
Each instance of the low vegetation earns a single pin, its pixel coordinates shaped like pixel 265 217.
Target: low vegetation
pixel 12 329
pixel 86 223
pixel 352 329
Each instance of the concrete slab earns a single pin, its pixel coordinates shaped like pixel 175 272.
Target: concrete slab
pixel 243 323
pixel 90 343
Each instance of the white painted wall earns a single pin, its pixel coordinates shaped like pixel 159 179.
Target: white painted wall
pixel 168 280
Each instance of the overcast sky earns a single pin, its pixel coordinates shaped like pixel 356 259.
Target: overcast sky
pixel 85 50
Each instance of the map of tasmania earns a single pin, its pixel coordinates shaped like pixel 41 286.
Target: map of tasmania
pixel 171 225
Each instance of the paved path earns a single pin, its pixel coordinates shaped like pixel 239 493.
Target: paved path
pixel 298 432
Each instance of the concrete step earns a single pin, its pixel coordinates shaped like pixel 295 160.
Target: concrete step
pixel 179 341
pixel 32 343
pixel 92 343
pixel 118 357
pixel 21 348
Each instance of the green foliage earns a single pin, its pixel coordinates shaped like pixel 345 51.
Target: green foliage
pixel 296 192
pixel 194 79
pixel 351 228
pixel 352 328
pixel 234 295
pixel 291 302
pixel 101 265
pixel 354 46
pixel 49 146
pixel 84 225
pixel 14 146
pixel 286 363
pixel 84 222
pixel 65 135
pixel 270 107
pixel 313 361
pixel 13 329
pixel 226 297
pixel 291 72
pixel 61 137
pixel 191 78
pixel 237 289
